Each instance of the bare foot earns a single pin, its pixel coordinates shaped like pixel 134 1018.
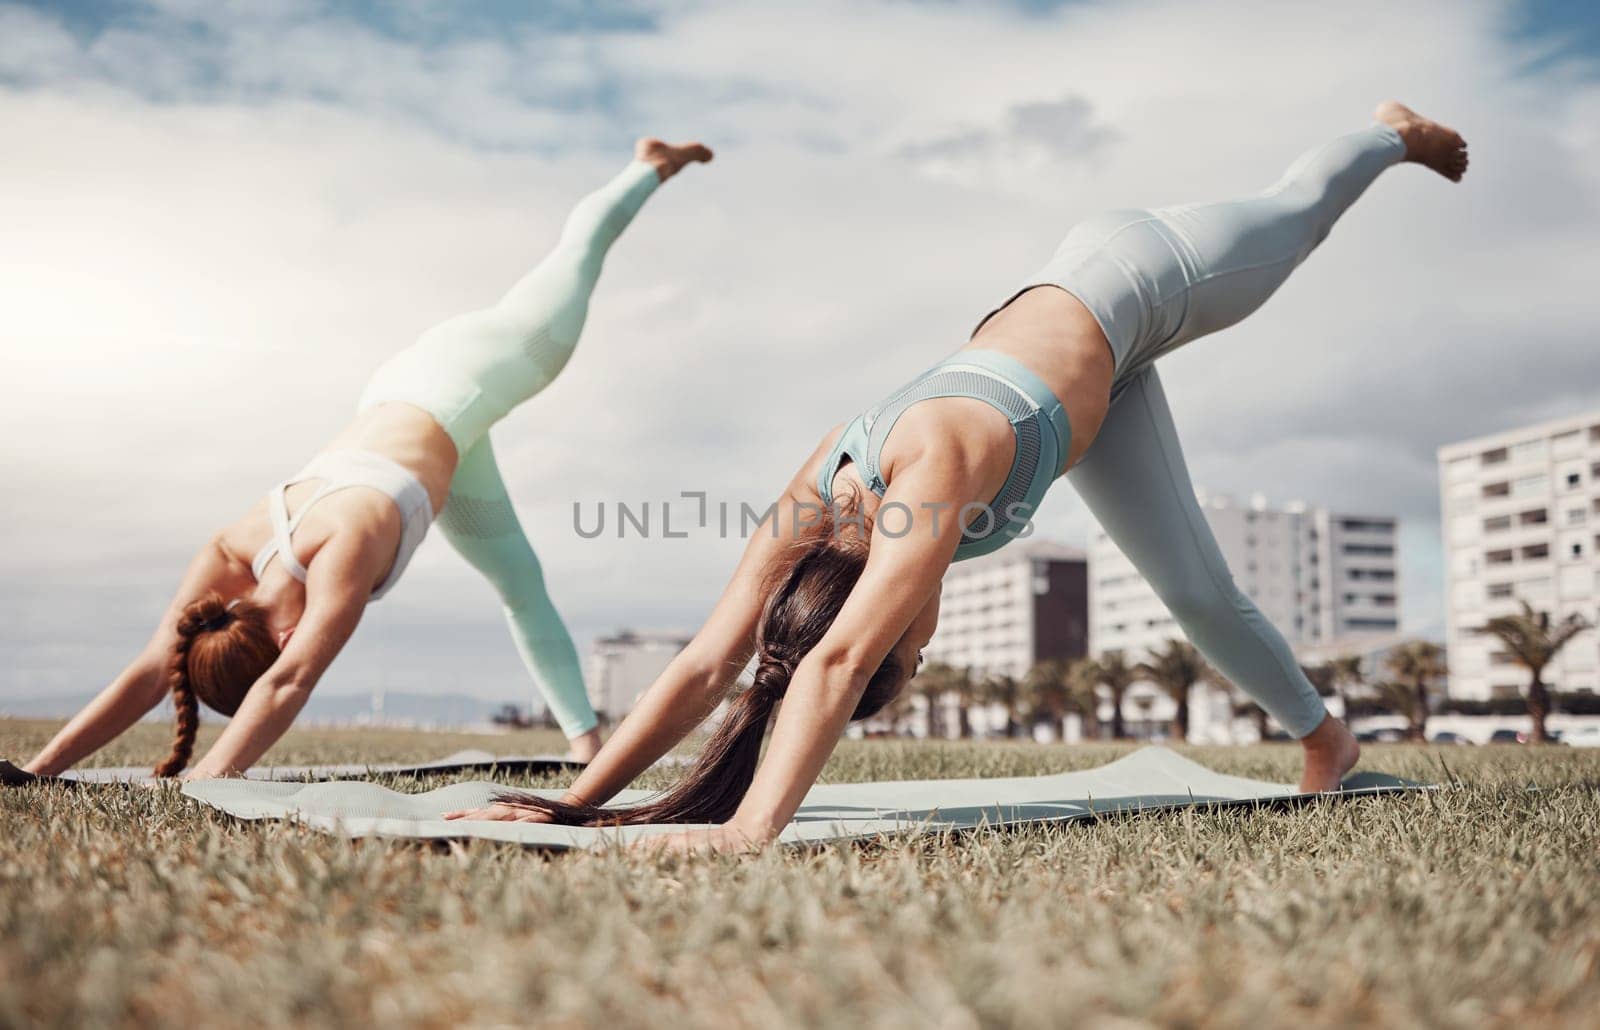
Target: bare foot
pixel 584 747
pixel 1427 142
pixel 1331 751
pixel 668 158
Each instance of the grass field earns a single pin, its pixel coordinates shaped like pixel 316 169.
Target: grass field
pixel 1478 905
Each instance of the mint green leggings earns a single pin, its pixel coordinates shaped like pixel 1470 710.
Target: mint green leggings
pixel 468 373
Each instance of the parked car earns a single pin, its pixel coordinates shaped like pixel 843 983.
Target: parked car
pixel 1449 737
pixel 1583 736
pixel 1508 737
pixel 1384 735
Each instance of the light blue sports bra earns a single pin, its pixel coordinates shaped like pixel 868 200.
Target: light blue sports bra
pixel 1036 415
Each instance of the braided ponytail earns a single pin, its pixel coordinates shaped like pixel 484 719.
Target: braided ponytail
pixel 220 651
pixel 797 615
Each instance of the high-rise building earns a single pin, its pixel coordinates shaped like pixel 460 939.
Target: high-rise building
pixel 1002 613
pixel 1318 576
pixel 1521 516
pixel 622 666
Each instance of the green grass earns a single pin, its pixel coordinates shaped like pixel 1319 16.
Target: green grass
pixel 1478 905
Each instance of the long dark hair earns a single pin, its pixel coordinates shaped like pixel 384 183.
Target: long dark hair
pixel 802 604
pixel 221 650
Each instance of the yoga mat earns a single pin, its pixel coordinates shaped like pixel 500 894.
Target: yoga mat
pixel 1152 778
pixel 461 761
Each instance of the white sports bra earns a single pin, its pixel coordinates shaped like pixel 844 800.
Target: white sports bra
pixel 339 470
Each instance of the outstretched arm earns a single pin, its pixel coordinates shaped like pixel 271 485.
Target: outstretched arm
pixel 143 684
pixel 901 576
pixel 693 683
pixel 338 586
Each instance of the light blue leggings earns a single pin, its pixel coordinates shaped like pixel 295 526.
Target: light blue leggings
pixel 1156 280
pixel 471 371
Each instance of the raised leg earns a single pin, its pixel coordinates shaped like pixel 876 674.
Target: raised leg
pixel 1240 252
pixel 472 370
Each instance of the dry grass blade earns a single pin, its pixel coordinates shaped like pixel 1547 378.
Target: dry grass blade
pixel 1474 906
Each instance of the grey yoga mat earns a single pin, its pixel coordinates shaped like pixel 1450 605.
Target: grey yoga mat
pixel 1149 779
pixel 461 761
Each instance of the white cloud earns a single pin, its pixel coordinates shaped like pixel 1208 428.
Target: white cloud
pixel 209 244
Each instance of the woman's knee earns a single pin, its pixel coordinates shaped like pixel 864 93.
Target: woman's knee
pixel 1197 600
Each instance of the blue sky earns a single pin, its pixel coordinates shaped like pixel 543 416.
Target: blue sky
pixel 214 206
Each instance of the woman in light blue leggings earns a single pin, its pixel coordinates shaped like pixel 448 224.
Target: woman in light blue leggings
pixel 270 600
pixel 1060 379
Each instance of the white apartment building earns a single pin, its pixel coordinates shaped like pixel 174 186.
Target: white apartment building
pixel 1319 576
pixel 1001 613
pixel 1521 517
pixel 622 666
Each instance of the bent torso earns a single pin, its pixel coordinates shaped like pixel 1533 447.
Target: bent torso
pixel 1050 331
pixel 400 432
pixel 1055 336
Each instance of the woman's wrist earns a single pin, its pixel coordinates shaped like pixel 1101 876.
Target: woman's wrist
pixel 43 766
pixel 758 832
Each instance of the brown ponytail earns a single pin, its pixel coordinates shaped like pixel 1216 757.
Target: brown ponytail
pixel 220 651
pixel 797 615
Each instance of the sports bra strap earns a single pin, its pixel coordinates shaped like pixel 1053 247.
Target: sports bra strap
pixel 283 526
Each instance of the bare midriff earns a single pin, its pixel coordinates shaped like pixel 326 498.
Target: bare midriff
pixel 1050 331
pixel 408 436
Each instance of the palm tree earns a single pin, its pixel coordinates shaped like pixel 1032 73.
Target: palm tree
pixel 1051 690
pixel 897 711
pixel 1176 668
pixel 1240 703
pixel 1346 673
pixel 933 684
pixel 1320 676
pixel 1112 671
pixel 999 689
pixel 1534 640
pixel 1415 665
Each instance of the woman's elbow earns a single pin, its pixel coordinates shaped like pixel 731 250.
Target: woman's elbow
pixel 845 667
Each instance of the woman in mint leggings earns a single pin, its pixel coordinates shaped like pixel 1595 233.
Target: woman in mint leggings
pixel 1060 380
pixel 270 600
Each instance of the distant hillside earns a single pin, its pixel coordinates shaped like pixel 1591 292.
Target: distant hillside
pixel 424 709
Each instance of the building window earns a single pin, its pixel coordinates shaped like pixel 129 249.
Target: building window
pixel 1534 517
pixel 1575 516
pixel 1533 552
pixel 1494 457
pixel 1497 489
pixel 1497 524
pixel 1373 550
pixel 1498 557
pixel 1526 485
pixel 1577 549
pixel 1535 589
pixel 1528 450
pixel 1500 590
pixel 1574 480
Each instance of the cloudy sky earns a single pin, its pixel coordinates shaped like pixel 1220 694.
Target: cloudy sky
pixel 217 217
